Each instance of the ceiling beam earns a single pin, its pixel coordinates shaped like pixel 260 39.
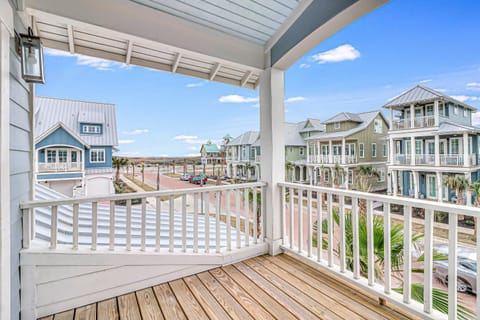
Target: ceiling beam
pixel 176 62
pixel 245 78
pixel 71 43
pixel 128 56
pixel 214 72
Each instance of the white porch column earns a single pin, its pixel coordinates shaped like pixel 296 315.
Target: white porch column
pixel 415 184
pixel 391 151
pixel 389 182
pixel 391 118
pixel 436 114
pixel 395 182
pixel 466 158
pixel 318 152
pixel 330 151
pixel 310 175
pixel 437 150
pixel 272 141
pixel 6 31
pixel 412 116
pixel 412 150
pixel 343 151
pixel 439 187
pixel 308 151
pixel 315 176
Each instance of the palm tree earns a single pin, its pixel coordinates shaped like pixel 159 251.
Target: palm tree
pixel 193 166
pixel 475 188
pixel 459 184
pixel 289 166
pixel 363 173
pixel 118 163
pixel 173 166
pixel 133 170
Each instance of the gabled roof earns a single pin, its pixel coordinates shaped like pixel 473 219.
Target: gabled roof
pixel 365 117
pixel 246 138
pixel 50 112
pixel 57 126
pixel 311 125
pixel 421 94
pixel 292 135
pixel 210 148
pixel 344 116
pixel 450 128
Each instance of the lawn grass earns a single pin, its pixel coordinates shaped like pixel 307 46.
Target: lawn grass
pixel 144 186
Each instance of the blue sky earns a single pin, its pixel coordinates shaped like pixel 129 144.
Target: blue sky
pixel 403 43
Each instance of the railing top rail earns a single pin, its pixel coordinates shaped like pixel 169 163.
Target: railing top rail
pixel 418 203
pixel 68 201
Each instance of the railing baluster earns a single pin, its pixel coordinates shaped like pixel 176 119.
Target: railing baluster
pixel 184 223
pixel 26 213
pixel 355 235
pixel 129 225
pixel 158 212
pixel 407 259
pixel 319 226
pixel 452 265
pixel 112 226
pixel 255 216
pixel 94 225
pixel 300 221
pixel 262 214
pixel 195 222
pixel 387 248
pixel 32 223
pixel 229 222
pixel 342 233
pixel 54 230
pixel 143 235
pixel 246 213
pixel 292 217
pixel 237 214
pixel 207 222
pixel 370 243
pixel 330 229
pixel 284 217
pixel 477 220
pixel 428 261
pixel 309 223
pixel 217 222
pixel 75 226
pixel 171 212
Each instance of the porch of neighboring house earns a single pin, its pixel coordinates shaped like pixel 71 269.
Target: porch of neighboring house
pixel 264 287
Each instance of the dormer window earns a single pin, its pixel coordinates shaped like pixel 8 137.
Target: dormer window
pixel 455 109
pixel 92 128
pixel 465 113
pixel 336 125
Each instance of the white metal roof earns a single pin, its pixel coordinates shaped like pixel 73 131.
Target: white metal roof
pixel 247 138
pixel 344 116
pixel 70 113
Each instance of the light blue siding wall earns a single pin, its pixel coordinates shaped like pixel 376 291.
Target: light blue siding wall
pixel 59 137
pixel 108 158
pixel 53 176
pixel 20 162
pixel 458 118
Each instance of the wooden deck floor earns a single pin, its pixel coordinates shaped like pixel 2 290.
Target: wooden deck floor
pixel 265 287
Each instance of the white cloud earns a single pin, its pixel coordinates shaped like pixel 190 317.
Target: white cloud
pixel 294 99
pixel 425 81
pixel 191 155
pixel 194 85
pixel 97 63
pixel 190 139
pixel 193 148
pixel 463 98
pixel 233 98
pixel 476 119
pixel 128 153
pixel 135 132
pixel 304 66
pixel 341 53
pixel 126 141
pixel 256 105
pixel 473 86
pixel 440 90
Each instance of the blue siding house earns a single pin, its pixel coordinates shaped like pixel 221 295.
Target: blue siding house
pixel 74 142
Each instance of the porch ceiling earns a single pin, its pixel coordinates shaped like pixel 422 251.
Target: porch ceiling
pixel 229 41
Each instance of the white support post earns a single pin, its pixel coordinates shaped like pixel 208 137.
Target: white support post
pixel 412 116
pixel 310 175
pixel 437 150
pixel 318 152
pixel 272 119
pixel 391 151
pixel 6 31
pixel 466 157
pixel 412 151
pixel 389 182
pixel 415 184
pixel 391 118
pixel 439 187
pixel 308 152
pixel 343 151
pixel 436 114
pixel 330 151
pixel 395 182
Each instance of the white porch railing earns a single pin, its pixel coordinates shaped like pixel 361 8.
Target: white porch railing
pixel 340 254
pixel 210 218
pixel 424 159
pixel 451 159
pixel 59 166
pixel 325 159
pixel 401 124
pixel 418 122
pixel 403 159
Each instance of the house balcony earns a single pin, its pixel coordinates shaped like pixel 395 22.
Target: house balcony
pixel 447 160
pixel 179 248
pixel 418 122
pixel 55 167
pixel 336 159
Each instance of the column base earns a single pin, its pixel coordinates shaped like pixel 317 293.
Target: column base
pixel 274 246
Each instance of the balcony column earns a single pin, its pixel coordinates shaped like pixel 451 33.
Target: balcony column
pixel 310 175
pixel 343 151
pixel 468 200
pixel 466 158
pixel 395 182
pixel 318 152
pixel 412 151
pixel 330 151
pixel 391 118
pixel 439 187
pixel 308 151
pixel 436 114
pixel 391 151
pixel 437 150
pixel 315 176
pixel 272 142
pixel 389 182
pixel 412 116
pixel 415 184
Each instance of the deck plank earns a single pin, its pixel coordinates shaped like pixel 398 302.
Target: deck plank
pixel 233 308
pixel 149 308
pixel 299 295
pixel 128 307
pixel 67 315
pixel 107 310
pixel 86 312
pixel 168 302
pixel 276 309
pixel 187 300
pixel 46 318
pixel 211 306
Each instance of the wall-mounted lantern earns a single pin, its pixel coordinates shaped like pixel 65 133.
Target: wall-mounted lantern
pixel 30 49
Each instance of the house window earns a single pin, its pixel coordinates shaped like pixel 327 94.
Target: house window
pixel 378 126
pixel 291 149
pixel 455 109
pixel 465 113
pixel 418 147
pixel 302 151
pixel 441 109
pixel 336 125
pixel 326 175
pixel 429 110
pixel 431 186
pixel 97 155
pixel 381 176
pixel 374 150
pixel 398 147
pixel 51 156
pixel 455 146
pixel 361 150
pixel 91 128
pixel 384 150
pixel 350 176
pixel 62 156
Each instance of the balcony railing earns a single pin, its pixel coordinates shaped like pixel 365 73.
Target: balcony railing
pixel 220 219
pixel 325 159
pixel 59 166
pixel 337 244
pixel 424 159
pixel 451 160
pixel 418 122
pixel 403 159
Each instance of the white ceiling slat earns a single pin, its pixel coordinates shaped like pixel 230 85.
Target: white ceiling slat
pixel 138 49
pixel 245 78
pixel 221 73
pixel 176 62
pixel 53 36
pixel 128 55
pixel 100 46
pixel 200 63
pixel 146 57
pixel 71 44
pixel 184 65
pixel 269 5
pixel 107 41
pixel 51 29
pixel 214 71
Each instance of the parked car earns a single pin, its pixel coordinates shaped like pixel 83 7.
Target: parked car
pixel 198 179
pixel 185 177
pixel 466 274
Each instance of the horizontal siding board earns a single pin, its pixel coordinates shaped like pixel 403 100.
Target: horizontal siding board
pixel 19 116
pixel 19 138
pixel 19 161
pixel 20 186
